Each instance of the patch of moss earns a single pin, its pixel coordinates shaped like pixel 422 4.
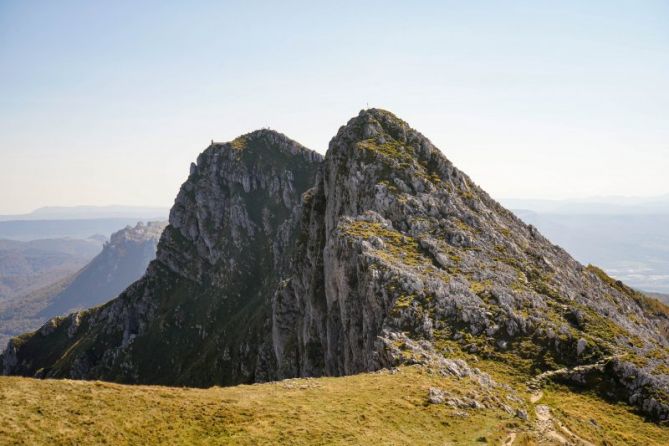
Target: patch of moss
pixel 480 287
pixel 398 247
pixel 391 149
pixel 462 225
pixel 661 369
pixel 239 143
pixel 637 360
pixel 390 186
pixel 404 301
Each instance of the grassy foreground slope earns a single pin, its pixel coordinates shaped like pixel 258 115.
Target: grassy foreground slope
pixel 379 408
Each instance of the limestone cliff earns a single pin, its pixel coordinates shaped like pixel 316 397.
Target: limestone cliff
pixel 199 315
pixel 278 263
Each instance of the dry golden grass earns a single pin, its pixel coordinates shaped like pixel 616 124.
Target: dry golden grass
pixel 380 408
pixel 601 422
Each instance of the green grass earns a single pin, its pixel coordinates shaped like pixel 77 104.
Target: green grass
pixel 391 149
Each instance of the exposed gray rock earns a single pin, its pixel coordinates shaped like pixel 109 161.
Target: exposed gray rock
pixel 278 264
pixel 436 396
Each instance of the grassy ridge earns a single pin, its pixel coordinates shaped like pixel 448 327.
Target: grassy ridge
pixel 379 408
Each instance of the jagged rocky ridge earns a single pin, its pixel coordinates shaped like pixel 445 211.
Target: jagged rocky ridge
pixel 200 313
pixel 278 263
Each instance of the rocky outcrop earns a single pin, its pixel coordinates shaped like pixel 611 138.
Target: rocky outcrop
pixel 278 263
pixel 199 316
pixel 401 253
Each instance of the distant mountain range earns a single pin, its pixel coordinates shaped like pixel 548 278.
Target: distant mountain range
pixel 658 205
pixel 92 212
pixel 122 261
pixel 27 266
pixel 75 222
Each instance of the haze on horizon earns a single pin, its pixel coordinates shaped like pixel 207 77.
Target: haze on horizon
pixel 109 103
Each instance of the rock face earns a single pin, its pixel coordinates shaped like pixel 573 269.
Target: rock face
pixel 200 313
pixel 278 263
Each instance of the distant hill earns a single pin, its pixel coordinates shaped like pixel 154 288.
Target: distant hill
pixel 658 205
pixel 27 266
pixel 92 212
pixel 25 230
pixel 76 221
pixel 122 261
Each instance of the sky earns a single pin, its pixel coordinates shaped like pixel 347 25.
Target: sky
pixel 108 102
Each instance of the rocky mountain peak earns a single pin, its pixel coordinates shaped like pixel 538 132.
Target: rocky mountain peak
pixel 380 134
pixel 237 190
pixel 377 162
pixel 149 231
pixel 371 123
pixel 122 261
pixel 280 263
pixel 268 139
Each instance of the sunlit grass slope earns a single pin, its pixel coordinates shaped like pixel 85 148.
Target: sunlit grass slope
pixel 379 408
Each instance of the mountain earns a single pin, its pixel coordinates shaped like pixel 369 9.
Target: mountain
pixel 277 263
pixel 617 206
pixel 27 230
pixel 27 266
pixel 123 260
pixel 75 221
pixel 90 213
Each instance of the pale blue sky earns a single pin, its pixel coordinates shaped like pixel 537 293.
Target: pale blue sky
pixel 109 102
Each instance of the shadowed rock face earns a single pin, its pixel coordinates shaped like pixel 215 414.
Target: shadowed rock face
pixel 199 315
pixel 392 256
